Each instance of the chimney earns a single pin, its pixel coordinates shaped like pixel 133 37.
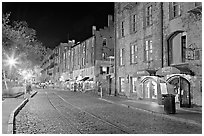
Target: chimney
pixel 93 30
pixel 110 20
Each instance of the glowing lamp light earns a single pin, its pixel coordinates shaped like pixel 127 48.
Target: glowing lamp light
pixel 11 61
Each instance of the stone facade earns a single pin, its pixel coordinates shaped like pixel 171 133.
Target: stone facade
pixel 165 30
pixel 188 22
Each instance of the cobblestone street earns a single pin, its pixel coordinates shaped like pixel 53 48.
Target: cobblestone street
pixel 73 112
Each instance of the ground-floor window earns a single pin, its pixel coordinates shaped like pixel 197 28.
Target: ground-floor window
pixel 122 84
pixel 150 89
pixel 134 85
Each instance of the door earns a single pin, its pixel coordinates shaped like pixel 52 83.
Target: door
pixel 185 100
pixel 182 90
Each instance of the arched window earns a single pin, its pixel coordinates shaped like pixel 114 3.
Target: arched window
pixel 150 89
pixel 177 44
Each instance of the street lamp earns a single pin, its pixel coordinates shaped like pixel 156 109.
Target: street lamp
pixel 10 61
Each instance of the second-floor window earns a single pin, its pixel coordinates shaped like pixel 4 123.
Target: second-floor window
pixel 133 54
pixel 183 47
pixel 134 23
pixel 149 15
pixel 175 10
pixel 121 58
pixel 122 29
pixel 148 51
pixel 104 41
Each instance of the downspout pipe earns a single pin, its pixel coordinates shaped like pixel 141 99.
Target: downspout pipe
pixel 115 51
pixel 162 44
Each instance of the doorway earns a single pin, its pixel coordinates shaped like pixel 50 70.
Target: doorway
pixel 181 89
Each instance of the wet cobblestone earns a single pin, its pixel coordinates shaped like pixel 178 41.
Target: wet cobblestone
pixel 39 117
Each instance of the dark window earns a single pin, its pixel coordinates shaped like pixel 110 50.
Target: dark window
pixel 104 42
pixel 134 23
pixel 149 16
pixel 122 29
pixel 175 9
pixel 183 47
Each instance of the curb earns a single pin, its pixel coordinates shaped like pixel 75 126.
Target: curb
pixel 15 96
pixel 34 94
pixel 156 113
pixel 13 114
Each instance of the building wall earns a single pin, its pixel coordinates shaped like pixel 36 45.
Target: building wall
pixel 162 29
pixel 138 38
pixel 190 22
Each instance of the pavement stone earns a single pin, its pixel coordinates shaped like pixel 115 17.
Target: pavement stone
pixel 10 107
pixel 187 115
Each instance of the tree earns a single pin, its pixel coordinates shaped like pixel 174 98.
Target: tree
pixel 20 40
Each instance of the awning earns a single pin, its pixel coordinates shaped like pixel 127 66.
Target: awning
pixel 84 79
pixel 173 70
pixel 144 73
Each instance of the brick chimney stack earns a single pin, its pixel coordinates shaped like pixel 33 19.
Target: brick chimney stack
pixel 110 20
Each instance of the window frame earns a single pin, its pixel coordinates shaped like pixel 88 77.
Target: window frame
pixel 148 16
pixel 121 56
pixel 148 51
pixel 122 29
pixel 175 10
pixel 104 39
pixel 133 54
pixel 134 23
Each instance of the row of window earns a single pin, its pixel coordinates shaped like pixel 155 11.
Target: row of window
pixel 178 51
pixel 134 53
pixel 174 11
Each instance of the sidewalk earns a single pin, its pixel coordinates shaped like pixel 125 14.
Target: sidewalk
pixel 187 115
pixel 8 106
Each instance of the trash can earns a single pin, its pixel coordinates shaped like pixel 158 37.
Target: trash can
pixel 169 104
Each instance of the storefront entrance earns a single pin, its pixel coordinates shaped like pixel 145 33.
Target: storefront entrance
pixel 181 89
pixel 150 89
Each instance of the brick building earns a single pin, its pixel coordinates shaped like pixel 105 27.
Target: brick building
pixel 158 49
pixel 91 59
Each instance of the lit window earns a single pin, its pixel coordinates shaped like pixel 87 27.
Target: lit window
pixel 133 54
pixel 148 51
pixel 103 55
pixel 122 57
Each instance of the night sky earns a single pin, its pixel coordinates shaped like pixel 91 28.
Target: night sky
pixel 54 22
